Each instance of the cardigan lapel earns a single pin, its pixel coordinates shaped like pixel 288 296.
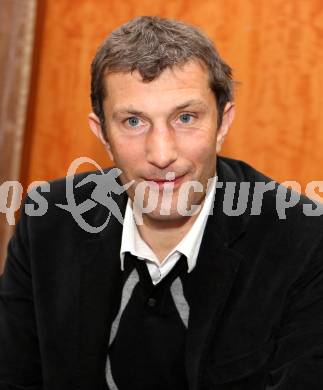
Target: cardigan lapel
pixel 100 289
pixel 212 279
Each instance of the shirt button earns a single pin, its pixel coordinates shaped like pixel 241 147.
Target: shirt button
pixel 151 302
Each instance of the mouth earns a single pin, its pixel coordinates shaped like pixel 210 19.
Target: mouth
pixel 175 181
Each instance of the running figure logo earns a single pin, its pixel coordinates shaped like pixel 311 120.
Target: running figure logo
pixel 106 185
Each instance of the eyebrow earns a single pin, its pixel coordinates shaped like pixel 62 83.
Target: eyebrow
pixel 192 102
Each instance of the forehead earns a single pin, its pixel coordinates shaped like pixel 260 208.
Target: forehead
pixel 189 81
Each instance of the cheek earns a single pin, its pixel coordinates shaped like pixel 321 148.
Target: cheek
pixel 199 150
pixel 127 154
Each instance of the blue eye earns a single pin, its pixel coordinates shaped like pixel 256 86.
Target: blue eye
pixel 185 118
pixel 133 121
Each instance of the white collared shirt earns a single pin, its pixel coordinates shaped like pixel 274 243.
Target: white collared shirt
pixel 189 245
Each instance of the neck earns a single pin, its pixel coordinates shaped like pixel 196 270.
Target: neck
pixel 163 235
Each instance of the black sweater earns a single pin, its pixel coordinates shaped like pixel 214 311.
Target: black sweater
pixel 147 340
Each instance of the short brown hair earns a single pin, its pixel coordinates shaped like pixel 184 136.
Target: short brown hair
pixel 150 44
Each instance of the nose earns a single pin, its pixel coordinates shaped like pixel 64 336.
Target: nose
pixel 161 150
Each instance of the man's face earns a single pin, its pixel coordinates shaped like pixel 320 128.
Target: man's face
pixel 168 125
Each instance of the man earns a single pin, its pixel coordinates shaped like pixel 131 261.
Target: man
pixel 193 296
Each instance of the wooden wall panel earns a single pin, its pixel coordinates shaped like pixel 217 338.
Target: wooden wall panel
pixel 17 21
pixel 275 48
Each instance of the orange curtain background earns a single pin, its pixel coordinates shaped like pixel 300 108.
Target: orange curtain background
pixel 275 48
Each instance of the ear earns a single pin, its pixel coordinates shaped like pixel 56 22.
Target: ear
pixel 96 128
pixel 227 119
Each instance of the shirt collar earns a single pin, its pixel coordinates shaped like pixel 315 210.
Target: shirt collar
pixel 189 246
